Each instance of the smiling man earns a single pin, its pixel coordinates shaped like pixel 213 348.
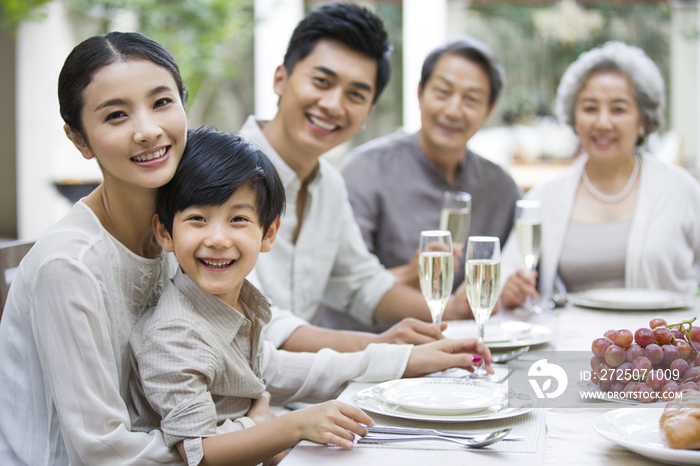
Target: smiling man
pixel 335 68
pixel 400 173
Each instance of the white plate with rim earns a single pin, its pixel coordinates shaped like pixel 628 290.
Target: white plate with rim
pixel 630 299
pixel 517 404
pixel 637 429
pixel 510 334
pixel 441 395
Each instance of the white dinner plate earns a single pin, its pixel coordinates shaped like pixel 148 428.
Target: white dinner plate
pixel 441 395
pixel 518 403
pixel 630 299
pixel 511 334
pixel 637 429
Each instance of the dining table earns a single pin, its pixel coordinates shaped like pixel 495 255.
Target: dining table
pixel 552 434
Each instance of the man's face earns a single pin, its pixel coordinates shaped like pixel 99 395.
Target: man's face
pixel 327 98
pixel 454 104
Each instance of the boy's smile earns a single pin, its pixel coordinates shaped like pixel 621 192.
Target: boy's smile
pixel 218 246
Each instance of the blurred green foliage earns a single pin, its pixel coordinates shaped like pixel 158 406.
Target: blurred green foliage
pixel 199 33
pixel 13 12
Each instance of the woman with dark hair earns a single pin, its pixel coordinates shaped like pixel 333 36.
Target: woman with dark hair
pixel 64 357
pixel 618 218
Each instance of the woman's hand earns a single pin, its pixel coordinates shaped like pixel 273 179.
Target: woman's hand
pixel 518 287
pixel 332 422
pixel 445 354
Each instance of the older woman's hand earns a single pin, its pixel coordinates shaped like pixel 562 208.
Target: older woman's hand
pixel 518 287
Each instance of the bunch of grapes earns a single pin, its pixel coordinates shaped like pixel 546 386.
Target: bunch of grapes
pixel 653 363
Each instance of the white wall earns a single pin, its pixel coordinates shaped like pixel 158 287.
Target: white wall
pixel 424 29
pixel 275 22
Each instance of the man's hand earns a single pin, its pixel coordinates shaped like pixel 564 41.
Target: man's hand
pixel 518 287
pixel 458 307
pixel 412 331
pixel 408 273
pixel 445 354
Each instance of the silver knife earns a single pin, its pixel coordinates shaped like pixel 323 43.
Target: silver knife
pixel 416 431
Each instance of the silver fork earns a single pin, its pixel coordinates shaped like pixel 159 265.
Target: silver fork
pixel 491 439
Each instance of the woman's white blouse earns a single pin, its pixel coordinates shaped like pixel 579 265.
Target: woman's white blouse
pixel 64 356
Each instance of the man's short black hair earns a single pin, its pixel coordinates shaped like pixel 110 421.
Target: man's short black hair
pixel 353 26
pixel 475 51
pixel 214 166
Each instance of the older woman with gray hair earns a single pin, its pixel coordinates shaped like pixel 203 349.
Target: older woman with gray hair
pixel 618 218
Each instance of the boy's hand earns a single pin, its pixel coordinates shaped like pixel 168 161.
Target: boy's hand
pixel 260 411
pixel 412 331
pixel 332 422
pixel 445 354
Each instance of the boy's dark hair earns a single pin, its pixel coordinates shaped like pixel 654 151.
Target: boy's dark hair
pixel 214 166
pixel 476 52
pixel 93 54
pixel 353 26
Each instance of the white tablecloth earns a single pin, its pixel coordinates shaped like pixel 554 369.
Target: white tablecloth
pixel 567 437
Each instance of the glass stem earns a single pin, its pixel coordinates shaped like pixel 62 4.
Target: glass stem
pixel 479 370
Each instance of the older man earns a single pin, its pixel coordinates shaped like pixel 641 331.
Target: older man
pixel 396 183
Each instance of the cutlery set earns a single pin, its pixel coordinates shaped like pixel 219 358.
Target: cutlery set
pixel 380 435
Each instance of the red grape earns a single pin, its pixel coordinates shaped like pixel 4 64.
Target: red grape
pixel 683 348
pixel 623 373
pixel 669 391
pixel 644 337
pixel 681 365
pixel 609 334
pixel 604 385
pixel 646 393
pixel 600 345
pixel 677 334
pixel 623 338
pixel 695 334
pixel 618 386
pixel 595 362
pixel 654 353
pixel 690 386
pixel 662 336
pixel 671 353
pixel 633 352
pixel 631 387
pixel 692 374
pixel 657 322
pixel 642 365
pixel 656 379
pixel 615 355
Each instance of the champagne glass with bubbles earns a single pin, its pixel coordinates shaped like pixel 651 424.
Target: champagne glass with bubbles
pixel 483 282
pixel 455 217
pixel 436 270
pixel 528 230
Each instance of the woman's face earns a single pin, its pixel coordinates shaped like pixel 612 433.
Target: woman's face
pixel 607 117
pixel 134 123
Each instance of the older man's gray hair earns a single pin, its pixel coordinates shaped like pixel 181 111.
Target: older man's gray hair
pixel 630 61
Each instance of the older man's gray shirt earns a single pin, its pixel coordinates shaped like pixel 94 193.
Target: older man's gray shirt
pixel 396 193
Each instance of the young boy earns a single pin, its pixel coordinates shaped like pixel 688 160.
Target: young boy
pixel 199 356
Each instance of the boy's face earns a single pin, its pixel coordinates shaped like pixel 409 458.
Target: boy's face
pixel 218 246
pixel 327 98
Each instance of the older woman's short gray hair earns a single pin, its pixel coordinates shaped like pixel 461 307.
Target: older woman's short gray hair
pixel 629 60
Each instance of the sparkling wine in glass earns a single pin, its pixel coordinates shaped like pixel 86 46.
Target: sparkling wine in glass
pixel 436 270
pixel 455 217
pixel 483 282
pixel 528 230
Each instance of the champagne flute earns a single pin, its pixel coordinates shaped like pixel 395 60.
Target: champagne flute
pixel 483 282
pixel 528 230
pixel 436 270
pixel 455 217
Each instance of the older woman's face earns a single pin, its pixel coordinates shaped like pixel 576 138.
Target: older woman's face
pixel 607 117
